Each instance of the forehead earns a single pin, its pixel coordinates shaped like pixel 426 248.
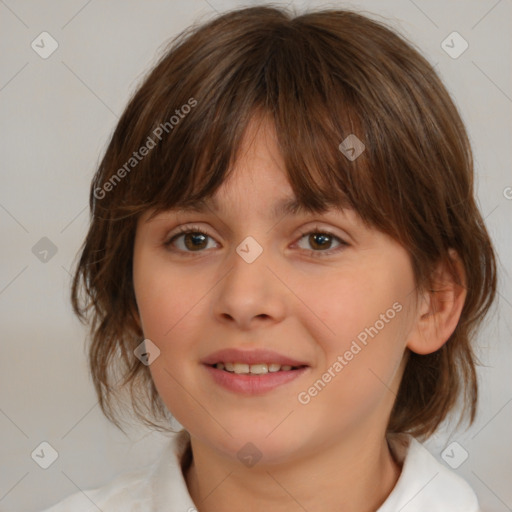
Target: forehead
pixel 282 208
pixel 259 166
pixel 287 205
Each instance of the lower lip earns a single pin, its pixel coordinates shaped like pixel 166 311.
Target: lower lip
pixel 253 384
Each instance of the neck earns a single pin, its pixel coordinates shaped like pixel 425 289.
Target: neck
pixel 356 475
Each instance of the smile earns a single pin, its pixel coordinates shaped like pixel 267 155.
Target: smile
pixel 254 369
pixel 254 379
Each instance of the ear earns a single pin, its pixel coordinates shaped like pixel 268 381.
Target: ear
pixel 439 309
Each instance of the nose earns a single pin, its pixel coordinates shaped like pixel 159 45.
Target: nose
pixel 251 292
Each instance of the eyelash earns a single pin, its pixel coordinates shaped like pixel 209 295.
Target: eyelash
pixel 316 230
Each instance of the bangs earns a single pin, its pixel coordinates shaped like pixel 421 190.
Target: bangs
pixel 269 79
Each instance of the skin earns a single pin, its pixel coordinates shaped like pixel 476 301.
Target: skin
pixel 328 454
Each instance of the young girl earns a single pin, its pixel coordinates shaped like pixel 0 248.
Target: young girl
pixel 285 255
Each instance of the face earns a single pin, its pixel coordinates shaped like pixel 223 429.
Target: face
pixel 323 291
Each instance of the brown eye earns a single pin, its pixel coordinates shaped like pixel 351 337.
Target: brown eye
pixel 194 240
pixel 321 241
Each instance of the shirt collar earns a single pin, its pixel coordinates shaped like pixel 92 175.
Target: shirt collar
pixel 168 485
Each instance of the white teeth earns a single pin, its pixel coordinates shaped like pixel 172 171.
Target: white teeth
pixel 256 369
pixel 241 368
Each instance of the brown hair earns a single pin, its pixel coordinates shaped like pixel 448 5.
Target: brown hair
pixel 319 76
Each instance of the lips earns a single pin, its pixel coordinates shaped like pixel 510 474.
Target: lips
pixel 251 357
pixel 248 376
pixel 254 369
pixel 249 384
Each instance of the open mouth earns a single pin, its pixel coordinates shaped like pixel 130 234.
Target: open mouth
pixel 254 378
pixel 254 369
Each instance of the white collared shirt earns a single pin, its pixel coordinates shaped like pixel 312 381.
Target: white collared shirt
pixel 424 485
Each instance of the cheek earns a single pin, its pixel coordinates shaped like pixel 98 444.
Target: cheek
pixel 352 305
pixel 362 334
pixel 169 306
pixel 163 297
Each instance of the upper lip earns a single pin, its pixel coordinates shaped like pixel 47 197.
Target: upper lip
pixel 233 355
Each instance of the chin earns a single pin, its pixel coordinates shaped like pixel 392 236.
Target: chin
pixel 256 445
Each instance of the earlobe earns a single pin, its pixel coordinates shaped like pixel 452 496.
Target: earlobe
pixel 440 308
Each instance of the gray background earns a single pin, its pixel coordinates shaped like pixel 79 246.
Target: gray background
pixel 56 118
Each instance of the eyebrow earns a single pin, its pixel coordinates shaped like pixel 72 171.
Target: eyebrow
pixel 285 206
